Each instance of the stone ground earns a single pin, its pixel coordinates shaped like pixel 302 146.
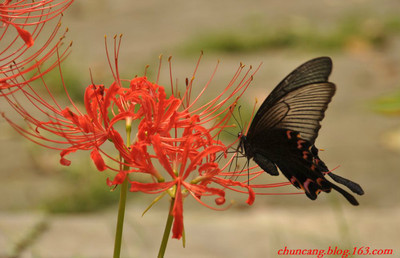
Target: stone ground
pixel 258 232
pixel 352 135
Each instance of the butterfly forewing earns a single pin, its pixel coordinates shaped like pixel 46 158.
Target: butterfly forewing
pixel 315 71
pixel 300 110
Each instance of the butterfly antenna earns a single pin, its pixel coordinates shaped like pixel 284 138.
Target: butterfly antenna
pixel 231 134
pixel 240 118
pixel 248 172
pixel 230 165
pixel 219 157
pixel 237 121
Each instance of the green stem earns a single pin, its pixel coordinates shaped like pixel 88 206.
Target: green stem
pixel 167 231
pixel 120 221
pixel 122 198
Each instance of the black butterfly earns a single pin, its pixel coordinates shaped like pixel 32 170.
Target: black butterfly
pixel 284 129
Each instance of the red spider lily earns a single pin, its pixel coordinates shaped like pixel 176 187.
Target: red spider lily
pixel 175 134
pixel 188 154
pixel 174 131
pixel 26 20
pixel 191 171
pixel 69 129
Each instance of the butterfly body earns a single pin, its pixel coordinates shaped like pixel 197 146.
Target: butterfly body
pixel 284 129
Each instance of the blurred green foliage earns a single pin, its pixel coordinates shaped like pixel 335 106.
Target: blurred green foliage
pixel 389 104
pixel 74 81
pixel 87 191
pixel 305 36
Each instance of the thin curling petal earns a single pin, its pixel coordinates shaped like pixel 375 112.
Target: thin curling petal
pixel 63 160
pixel 26 36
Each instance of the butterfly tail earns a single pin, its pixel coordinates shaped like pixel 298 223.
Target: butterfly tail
pixel 313 185
pixel 353 186
pixel 345 194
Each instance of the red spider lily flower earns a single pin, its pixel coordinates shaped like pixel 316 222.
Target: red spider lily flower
pixel 17 58
pixel 183 138
pixel 192 169
pixel 71 130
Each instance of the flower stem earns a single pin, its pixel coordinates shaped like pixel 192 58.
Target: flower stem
pixel 167 230
pixel 120 221
pixel 122 198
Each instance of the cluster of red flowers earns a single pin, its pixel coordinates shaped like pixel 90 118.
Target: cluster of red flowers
pixel 175 134
pixel 172 133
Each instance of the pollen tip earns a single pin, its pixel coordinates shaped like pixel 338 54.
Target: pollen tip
pixel 169 58
pixel 115 36
pixel 160 56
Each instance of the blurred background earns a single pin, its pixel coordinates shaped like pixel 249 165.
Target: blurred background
pixel 51 211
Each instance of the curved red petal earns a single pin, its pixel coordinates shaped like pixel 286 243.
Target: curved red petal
pixel 161 155
pixel 118 179
pixel 64 161
pixel 25 35
pixel 151 187
pixel 98 160
pixel 177 212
